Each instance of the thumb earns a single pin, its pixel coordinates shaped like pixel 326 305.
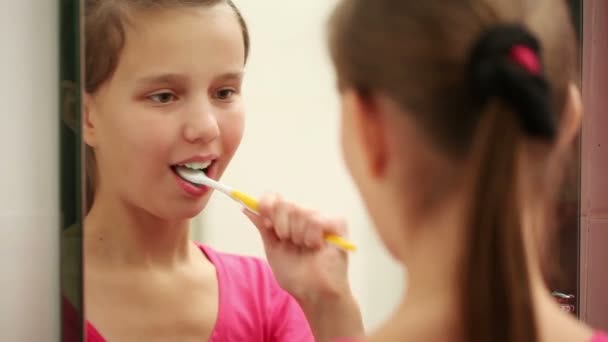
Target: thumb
pixel 264 226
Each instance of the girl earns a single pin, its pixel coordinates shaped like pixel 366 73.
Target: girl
pixel 163 91
pixel 457 116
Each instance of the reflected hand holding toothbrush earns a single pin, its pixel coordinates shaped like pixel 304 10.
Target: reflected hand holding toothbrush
pixel 252 204
pixel 295 242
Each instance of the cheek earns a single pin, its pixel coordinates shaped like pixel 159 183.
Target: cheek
pixel 349 146
pixel 231 127
pixel 139 139
pixel 154 137
pixel 345 142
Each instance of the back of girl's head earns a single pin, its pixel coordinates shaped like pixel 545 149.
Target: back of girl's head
pixel 105 37
pixel 465 71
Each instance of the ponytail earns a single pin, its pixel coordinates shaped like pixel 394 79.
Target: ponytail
pixel 513 97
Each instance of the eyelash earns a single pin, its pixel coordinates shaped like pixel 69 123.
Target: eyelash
pixel 221 98
pixel 158 97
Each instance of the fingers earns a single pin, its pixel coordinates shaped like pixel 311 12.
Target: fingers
pixel 264 227
pixel 294 224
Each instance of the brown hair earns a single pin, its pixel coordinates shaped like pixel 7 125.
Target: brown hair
pixel 422 55
pixel 104 40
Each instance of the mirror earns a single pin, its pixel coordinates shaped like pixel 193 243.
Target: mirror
pixel 290 145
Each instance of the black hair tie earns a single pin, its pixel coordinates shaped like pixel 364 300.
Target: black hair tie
pixel 505 63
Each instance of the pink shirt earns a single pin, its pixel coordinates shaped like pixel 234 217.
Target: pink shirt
pixel 600 337
pixel 252 305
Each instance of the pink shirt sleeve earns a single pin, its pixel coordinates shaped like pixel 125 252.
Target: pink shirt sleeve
pixel 253 307
pixel 600 337
pixel 287 319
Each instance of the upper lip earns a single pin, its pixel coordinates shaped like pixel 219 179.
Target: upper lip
pixel 197 159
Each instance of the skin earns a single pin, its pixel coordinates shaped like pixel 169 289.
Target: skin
pixel 169 100
pixel 311 271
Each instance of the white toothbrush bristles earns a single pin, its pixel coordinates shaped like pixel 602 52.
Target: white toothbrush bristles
pixel 199 177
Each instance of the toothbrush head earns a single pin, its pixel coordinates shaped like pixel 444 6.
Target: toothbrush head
pixel 193 176
pixel 199 177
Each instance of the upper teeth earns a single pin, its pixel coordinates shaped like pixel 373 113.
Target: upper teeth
pixel 198 166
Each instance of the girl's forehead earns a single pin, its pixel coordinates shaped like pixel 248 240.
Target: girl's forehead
pixel 203 41
pixel 198 24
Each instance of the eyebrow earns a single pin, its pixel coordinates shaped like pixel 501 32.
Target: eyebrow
pixel 161 78
pixel 234 75
pixel 180 78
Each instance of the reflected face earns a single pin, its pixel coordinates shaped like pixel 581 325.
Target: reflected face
pixel 175 98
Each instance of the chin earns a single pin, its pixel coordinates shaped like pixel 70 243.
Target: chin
pixel 178 214
pixel 185 214
pixel 394 249
pixel 389 235
pixel 180 211
pixel 188 212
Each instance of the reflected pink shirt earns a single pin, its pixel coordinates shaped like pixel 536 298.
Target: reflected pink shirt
pixel 252 305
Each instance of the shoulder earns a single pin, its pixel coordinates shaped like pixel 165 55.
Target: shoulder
pixel 249 277
pixel 249 288
pixel 236 268
pixel 230 258
pixel 600 336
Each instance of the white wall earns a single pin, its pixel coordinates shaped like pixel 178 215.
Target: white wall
pixel 29 182
pixel 291 145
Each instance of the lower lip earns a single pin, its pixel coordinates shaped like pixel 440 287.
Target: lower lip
pixel 189 188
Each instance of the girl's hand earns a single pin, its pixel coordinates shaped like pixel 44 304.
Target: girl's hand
pixel 313 272
pixel 304 265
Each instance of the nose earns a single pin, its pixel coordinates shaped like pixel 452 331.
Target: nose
pixel 201 124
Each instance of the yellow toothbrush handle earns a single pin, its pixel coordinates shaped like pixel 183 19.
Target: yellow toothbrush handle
pixel 340 242
pixel 252 204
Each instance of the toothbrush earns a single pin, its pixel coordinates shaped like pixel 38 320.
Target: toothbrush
pixel 199 177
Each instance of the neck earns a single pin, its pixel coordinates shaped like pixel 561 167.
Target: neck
pixel 432 256
pixel 116 232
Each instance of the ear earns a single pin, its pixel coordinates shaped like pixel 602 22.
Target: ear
pixel 571 119
pixel 89 121
pixel 370 130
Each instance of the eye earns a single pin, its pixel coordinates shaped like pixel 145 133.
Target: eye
pixel 225 94
pixel 163 98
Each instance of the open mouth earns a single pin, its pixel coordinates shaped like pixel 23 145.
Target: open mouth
pixel 188 170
